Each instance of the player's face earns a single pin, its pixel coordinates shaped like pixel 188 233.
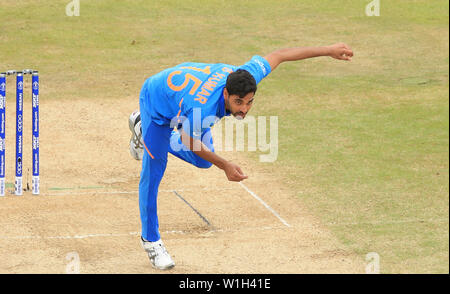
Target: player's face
pixel 239 107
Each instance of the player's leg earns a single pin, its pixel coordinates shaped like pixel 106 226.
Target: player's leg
pixel 176 146
pixel 156 143
pixel 179 150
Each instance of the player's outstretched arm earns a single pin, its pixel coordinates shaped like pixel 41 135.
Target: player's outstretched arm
pixel 339 51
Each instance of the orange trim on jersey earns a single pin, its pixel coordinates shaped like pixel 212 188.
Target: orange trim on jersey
pixel 149 153
pixel 179 112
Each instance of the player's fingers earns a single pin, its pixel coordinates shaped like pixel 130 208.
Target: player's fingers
pixel 239 175
pixel 234 177
pixel 239 170
pixel 344 56
pixel 239 178
pixel 348 52
pixel 346 46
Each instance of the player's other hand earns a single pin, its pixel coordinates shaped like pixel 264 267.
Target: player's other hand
pixel 234 172
pixel 340 51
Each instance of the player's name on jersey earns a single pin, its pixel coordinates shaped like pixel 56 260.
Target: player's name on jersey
pixel 209 86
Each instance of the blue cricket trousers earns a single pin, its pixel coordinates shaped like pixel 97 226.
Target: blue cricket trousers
pixel 157 145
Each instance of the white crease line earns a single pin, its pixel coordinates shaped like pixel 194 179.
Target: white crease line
pixel 391 222
pixel 129 192
pixel 265 205
pixel 90 193
pixel 133 234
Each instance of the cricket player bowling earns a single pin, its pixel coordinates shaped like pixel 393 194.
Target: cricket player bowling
pixel 175 109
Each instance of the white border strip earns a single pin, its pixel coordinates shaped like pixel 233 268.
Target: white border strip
pixel 136 234
pixel 97 192
pixel 265 205
pixel 391 222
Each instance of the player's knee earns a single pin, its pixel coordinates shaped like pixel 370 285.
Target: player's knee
pixel 203 164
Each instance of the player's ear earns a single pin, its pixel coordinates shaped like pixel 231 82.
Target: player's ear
pixel 225 93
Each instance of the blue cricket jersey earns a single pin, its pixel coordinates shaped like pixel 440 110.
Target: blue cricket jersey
pixel 189 90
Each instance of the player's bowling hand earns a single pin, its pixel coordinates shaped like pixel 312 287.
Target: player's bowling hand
pixel 340 51
pixel 234 172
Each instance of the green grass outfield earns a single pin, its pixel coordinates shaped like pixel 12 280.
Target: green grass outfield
pixel 365 144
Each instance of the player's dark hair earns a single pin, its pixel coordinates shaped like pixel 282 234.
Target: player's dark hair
pixel 240 83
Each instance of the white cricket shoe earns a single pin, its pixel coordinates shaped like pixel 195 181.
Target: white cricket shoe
pixel 136 142
pixel 158 254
